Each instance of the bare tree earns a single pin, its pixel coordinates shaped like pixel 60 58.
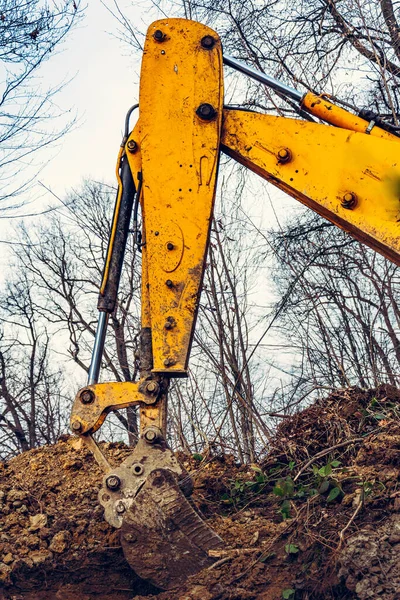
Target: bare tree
pixel 343 311
pixel 33 399
pixel 30 31
pixel 63 259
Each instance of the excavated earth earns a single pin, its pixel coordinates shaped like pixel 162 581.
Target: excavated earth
pixel 318 519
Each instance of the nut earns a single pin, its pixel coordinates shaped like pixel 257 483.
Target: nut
pixel 284 155
pixel 76 425
pixel 130 537
pixel 169 362
pixel 349 200
pixel 132 146
pixel 87 396
pixel 170 246
pixel 120 507
pixel 113 482
pixel 169 283
pixel 206 112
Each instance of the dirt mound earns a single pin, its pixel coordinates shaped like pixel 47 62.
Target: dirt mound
pixel 318 519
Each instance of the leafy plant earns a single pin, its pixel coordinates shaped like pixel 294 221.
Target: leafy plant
pixel 292 549
pixel 242 491
pixel 288 594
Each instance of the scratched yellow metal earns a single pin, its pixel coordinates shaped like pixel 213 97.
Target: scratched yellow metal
pixel 320 107
pixel 326 165
pixel 105 397
pixel 179 154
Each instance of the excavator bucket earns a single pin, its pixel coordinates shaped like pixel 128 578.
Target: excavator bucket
pixel 163 537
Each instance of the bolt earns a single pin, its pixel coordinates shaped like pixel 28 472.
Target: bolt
pixel 87 396
pixel 169 362
pixel 120 507
pixel 156 233
pixel 284 155
pixel 349 200
pixel 170 246
pixel 150 436
pixel 169 283
pixel 207 42
pixel 152 387
pixel 113 482
pixel 206 112
pixel 159 36
pixel 76 425
pixel 130 537
pixel 168 325
pixel 132 146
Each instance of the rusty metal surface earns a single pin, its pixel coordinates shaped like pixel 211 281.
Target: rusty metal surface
pixel 94 402
pixel 133 473
pixel 164 540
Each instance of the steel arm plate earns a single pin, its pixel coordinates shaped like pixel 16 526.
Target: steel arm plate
pixel 181 71
pixel 93 403
pixel 351 179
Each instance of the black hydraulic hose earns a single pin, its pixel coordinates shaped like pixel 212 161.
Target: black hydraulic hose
pixel 108 296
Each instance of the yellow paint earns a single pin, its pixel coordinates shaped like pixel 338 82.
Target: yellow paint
pixel 107 397
pixel 326 164
pixel 179 156
pixel 320 107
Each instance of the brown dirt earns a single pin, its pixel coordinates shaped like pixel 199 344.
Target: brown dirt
pixel 281 534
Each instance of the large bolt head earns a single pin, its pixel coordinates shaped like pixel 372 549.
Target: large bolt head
pixel 206 112
pixel 152 387
pixel 113 482
pixel 76 426
pixel 208 42
pixel 87 396
pixel 284 155
pixel 150 436
pixel 158 35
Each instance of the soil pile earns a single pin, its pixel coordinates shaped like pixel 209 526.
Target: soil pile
pixel 319 519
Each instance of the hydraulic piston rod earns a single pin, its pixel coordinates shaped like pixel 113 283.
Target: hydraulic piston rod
pixel 276 85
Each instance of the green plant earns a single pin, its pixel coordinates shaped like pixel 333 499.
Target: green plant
pixel 288 594
pixel 325 483
pixel 242 491
pixel 292 549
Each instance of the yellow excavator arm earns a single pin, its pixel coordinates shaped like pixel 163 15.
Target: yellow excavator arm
pixel 348 171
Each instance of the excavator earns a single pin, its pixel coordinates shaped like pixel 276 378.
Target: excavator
pixel 345 167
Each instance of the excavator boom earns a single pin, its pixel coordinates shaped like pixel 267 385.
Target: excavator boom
pixel 347 171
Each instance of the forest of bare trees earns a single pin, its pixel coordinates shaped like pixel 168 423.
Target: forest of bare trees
pixel 291 307
pixel 30 31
